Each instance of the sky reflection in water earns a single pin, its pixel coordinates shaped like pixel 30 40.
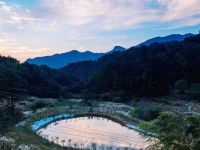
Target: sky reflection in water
pixel 83 132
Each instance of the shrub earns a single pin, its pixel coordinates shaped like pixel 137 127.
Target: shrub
pixel 9 117
pixel 42 103
pixel 194 91
pixel 106 96
pixel 146 114
pixel 181 86
pixel 86 94
pixel 175 132
pixel 116 99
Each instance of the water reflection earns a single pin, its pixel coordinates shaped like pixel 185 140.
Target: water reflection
pixel 93 133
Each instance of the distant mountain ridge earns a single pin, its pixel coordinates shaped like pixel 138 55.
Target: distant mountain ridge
pixel 169 38
pixel 60 60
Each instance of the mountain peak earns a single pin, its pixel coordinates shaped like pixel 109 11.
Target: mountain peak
pixel 73 51
pixel 117 49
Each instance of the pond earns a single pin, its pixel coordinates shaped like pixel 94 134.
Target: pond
pixel 92 133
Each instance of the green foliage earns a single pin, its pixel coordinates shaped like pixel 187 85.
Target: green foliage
pixel 41 104
pixel 41 81
pixel 12 86
pixel 116 99
pixel 146 114
pixel 140 71
pixel 116 96
pixel 9 117
pixel 181 86
pixel 195 87
pixel 175 132
pixel 83 70
pixel 6 146
pixel 46 82
pixel 108 96
pixel 150 70
pixel 194 91
pixel 86 94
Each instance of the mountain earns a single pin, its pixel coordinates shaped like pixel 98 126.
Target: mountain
pixel 169 38
pixel 117 49
pixel 151 71
pixel 86 69
pixel 61 60
pixel 83 70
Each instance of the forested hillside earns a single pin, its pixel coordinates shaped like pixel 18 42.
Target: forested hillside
pixel 151 70
pixel 85 69
pixel 26 79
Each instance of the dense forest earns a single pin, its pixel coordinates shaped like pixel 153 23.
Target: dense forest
pixel 27 79
pixel 17 81
pixel 84 70
pixel 154 70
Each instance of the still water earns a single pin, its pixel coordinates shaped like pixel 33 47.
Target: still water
pixel 92 133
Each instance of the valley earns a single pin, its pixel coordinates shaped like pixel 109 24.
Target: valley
pixel 147 89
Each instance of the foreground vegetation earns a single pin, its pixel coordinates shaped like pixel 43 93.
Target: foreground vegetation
pixel 175 132
pixel 24 134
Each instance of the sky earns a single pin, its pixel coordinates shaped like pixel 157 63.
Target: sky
pixel 31 28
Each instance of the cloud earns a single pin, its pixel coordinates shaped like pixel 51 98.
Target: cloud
pixel 9 47
pixel 60 25
pixel 15 15
pixel 120 14
pixel 180 9
pixel 180 12
pixel 100 13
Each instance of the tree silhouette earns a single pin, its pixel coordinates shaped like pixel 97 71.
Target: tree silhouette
pixel 63 141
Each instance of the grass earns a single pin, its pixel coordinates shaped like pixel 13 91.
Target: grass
pixel 29 138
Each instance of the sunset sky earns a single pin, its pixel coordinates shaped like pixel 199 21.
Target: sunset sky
pixel 30 28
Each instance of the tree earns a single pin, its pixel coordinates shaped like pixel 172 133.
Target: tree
pixel 181 86
pixel 12 86
pixel 175 132
pixel 146 114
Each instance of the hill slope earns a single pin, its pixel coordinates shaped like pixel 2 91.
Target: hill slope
pixel 169 38
pixel 84 69
pixel 151 70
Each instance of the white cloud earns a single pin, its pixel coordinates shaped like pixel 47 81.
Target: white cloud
pixel 180 12
pixel 101 14
pixel 15 14
pixel 88 24
pixel 113 14
pixel 121 14
pixel 179 9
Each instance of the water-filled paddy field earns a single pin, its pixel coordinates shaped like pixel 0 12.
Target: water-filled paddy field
pixel 93 133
